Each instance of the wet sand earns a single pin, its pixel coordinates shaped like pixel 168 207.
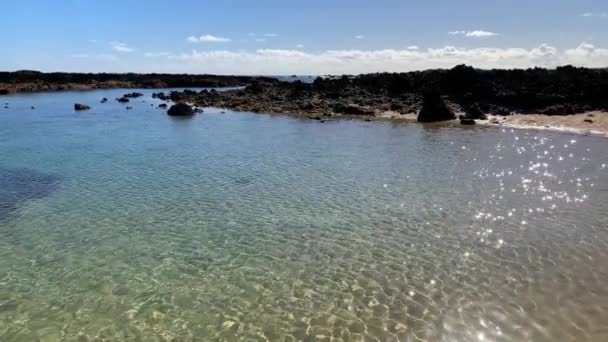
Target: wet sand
pixel 568 123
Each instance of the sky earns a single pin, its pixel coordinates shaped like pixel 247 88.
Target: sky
pixel 314 37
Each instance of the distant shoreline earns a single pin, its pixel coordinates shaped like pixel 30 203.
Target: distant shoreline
pixel 567 98
pixel 34 81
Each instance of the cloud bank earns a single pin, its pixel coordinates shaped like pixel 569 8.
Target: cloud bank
pixel 474 33
pixel 354 61
pixel 207 38
pixel 288 61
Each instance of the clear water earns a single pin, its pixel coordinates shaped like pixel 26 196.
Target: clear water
pixel 128 225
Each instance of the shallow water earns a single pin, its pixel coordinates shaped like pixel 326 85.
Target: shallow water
pixel 128 225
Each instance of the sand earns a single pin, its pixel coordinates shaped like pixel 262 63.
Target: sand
pixel 567 123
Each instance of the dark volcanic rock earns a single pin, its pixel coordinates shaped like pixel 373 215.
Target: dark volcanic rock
pixel 180 109
pixel 4 92
pixel 104 100
pixel 474 112
pixel 123 99
pixel 466 121
pixel 434 109
pixel 162 105
pixel 352 109
pixel 160 96
pixel 78 106
pixel 133 95
pixel 559 110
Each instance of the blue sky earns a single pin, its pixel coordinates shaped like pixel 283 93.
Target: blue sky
pixel 312 36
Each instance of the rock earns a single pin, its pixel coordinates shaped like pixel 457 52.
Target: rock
pixel 133 95
pixel 160 96
pixel 180 109
pixel 474 112
pixel 308 106
pixel 162 105
pixel 590 115
pixel 104 100
pixel 434 109
pixel 395 107
pixel 32 107
pixel 352 109
pixel 495 121
pixel 498 110
pixel 312 117
pixel 466 121
pixel 4 92
pixel 588 121
pixel 123 99
pixel 78 106
pixel 129 107
pixel 565 109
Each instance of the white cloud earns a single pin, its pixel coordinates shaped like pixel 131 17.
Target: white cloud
pixel 595 14
pixel 588 55
pixel 270 35
pixel 120 47
pixel 251 34
pixel 359 37
pixel 157 54
pixel 276 61
pixel 207 38
pixel 260 40
pixel 299 46
pixel 413 47
pixel 474 33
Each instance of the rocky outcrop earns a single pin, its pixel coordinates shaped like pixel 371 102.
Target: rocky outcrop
pixel 132 95
pixel 434 109
pixel 180 109
pixel 79 106
pixel 352 109
pixel 474 112
pixel 467 121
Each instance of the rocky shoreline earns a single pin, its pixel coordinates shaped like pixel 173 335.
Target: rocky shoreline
pixel 434 95
pixel 35 81
pixel 461 94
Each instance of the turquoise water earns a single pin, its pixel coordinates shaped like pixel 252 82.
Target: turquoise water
pixel 129 225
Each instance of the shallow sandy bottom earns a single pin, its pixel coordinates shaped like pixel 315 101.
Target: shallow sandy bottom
pixel 568 123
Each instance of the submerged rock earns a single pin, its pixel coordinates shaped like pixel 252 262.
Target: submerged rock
pixel 434 109
pixel 180 109
pixel 104 100
pixel 79 106
pixel 123 99
pixel 162 105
